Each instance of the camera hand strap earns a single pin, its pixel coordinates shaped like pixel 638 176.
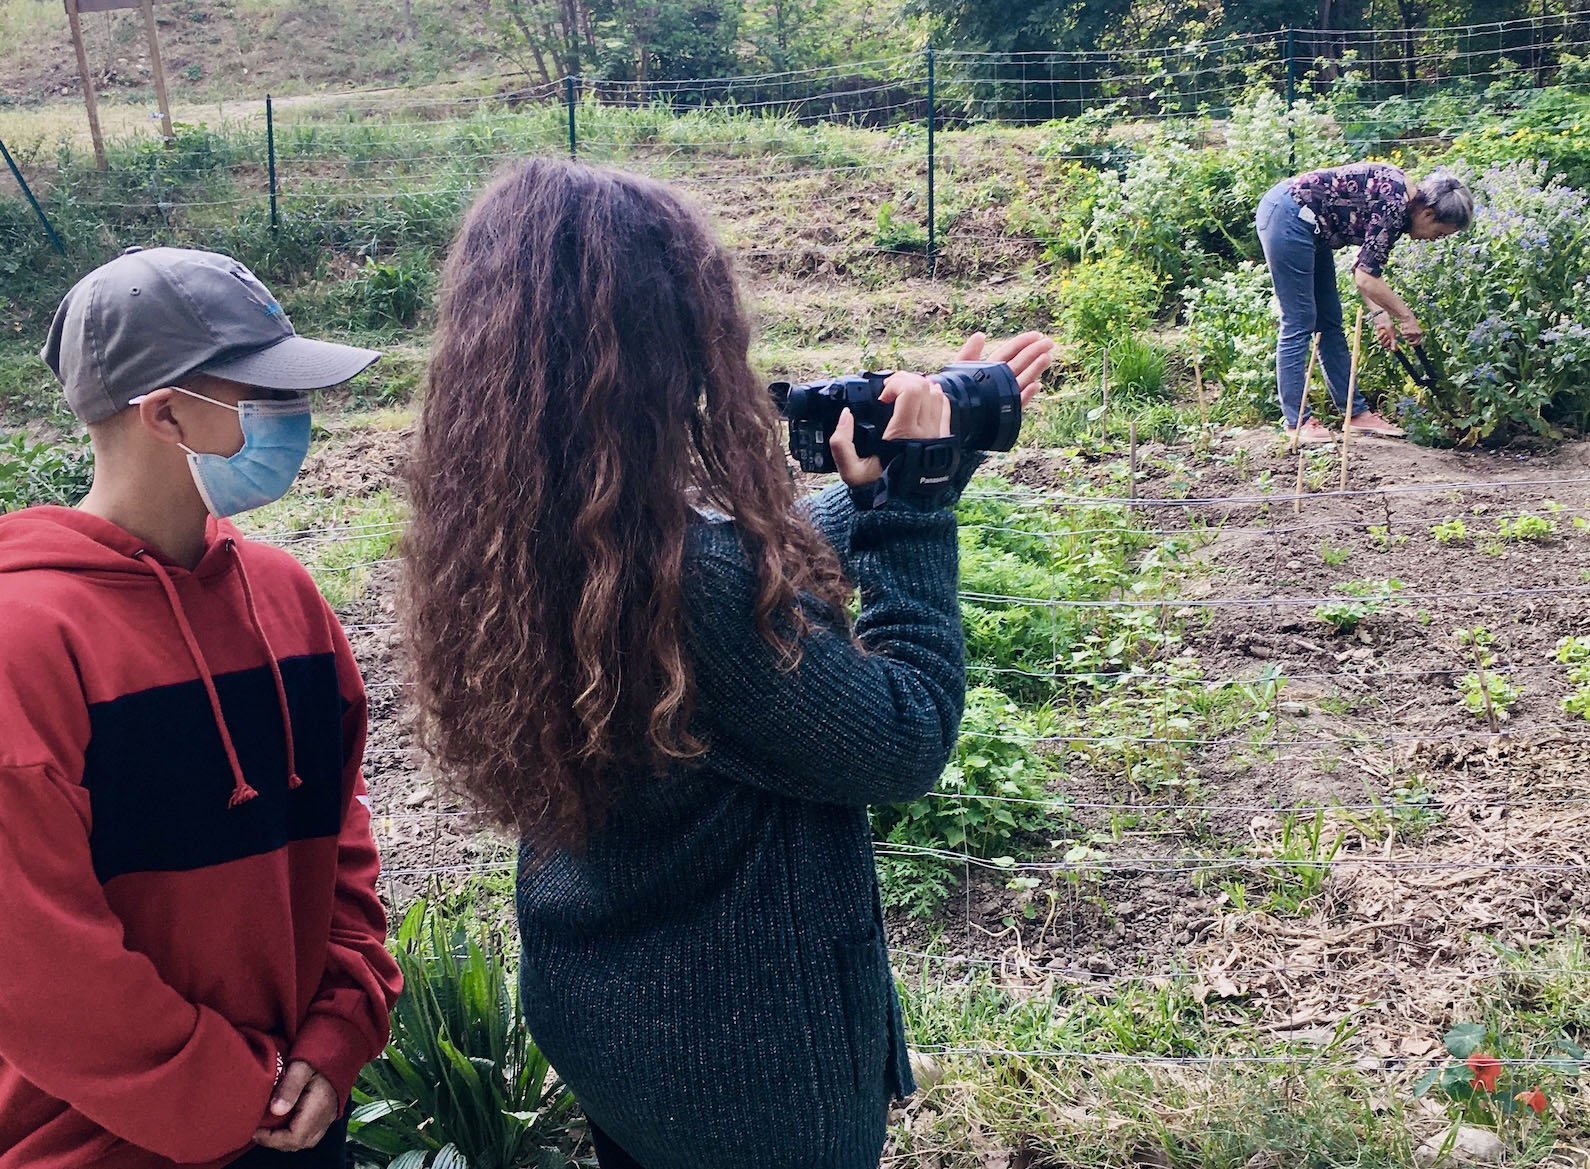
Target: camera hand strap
pixel 919 470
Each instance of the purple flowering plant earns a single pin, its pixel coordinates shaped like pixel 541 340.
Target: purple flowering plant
pixel 1506 311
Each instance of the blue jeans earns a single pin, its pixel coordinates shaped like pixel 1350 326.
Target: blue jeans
pixel 1304 272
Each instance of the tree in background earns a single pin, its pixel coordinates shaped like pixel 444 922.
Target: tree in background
pixel 622 40
pixel 787 35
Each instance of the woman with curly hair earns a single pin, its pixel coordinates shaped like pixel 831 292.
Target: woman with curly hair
pixel 632 648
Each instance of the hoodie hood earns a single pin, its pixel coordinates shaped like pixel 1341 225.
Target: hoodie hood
pixel 69 540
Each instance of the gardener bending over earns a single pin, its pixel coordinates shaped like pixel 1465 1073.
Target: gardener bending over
pixel 1301 222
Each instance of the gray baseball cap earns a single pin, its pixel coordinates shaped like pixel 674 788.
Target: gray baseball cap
pixel 154 316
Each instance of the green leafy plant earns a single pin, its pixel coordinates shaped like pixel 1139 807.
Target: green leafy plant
pixel 1334 554
pixel 42 472
pixel 1016 555
pixel 389 295
pixel 1103 300
pixel 993 794
pixel 1486 693
pixel 1366 597
pixel 461 1085
pixel 1527 528
pixel 1299 863
pixel 1231 324
pixel 1574 652
pixel 1383 539
pixel 1136 368
pixel 893 234
pixel 1452 531
pixel 993 790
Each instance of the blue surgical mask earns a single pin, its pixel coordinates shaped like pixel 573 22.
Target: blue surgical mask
pixel 275 442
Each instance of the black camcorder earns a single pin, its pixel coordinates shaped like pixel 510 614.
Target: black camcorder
pixel 985 405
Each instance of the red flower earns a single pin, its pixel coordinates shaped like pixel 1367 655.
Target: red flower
pixel 1535 1098
pixel 1486 1069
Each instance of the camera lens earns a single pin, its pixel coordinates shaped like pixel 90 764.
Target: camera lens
pixel 988 400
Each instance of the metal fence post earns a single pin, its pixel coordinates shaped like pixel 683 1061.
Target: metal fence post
pixel 932 120
pixel 574 142
pixel 270 155
pixel 32 202
pixel 1291 93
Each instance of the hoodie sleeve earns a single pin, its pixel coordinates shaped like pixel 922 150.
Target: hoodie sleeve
pixel 347 1023
pixel 82 1017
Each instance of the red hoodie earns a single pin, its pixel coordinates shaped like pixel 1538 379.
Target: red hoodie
pixel 187 877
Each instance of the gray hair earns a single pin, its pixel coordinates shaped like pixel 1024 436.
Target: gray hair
pixel 1448 200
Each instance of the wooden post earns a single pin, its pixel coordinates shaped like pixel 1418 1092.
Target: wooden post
pixel 1308 384
pixel 90 99
pixel 1297 496
pixel 1352 387
pixel 1104 398
pixel 1131 489
pixel 158 67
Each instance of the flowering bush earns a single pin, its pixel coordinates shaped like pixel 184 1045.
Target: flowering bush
pixel 1506 309
pixel 1107 299
pixel 1186 208
pixel 1232 321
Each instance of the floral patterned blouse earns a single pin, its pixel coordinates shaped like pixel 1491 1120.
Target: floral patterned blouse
pixel 1366 203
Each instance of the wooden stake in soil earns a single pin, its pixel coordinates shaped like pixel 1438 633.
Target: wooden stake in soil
pixel 90 98
pixel 1308 384
pixel 1297 496
pixel 1352 388
pixel 1131 482
pixel 1104 398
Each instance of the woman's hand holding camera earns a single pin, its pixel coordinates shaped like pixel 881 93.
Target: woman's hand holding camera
pixel 921 411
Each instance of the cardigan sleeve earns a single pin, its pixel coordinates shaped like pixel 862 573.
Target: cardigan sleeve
pixel 855 721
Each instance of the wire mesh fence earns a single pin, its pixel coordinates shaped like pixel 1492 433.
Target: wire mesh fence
pixel 404 166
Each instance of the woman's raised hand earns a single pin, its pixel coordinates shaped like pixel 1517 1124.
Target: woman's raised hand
pixel 1028 355
pixel 920 411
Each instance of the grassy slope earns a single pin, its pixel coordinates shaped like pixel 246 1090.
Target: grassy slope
pixel 227 48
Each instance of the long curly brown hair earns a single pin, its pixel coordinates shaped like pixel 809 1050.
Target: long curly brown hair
pixel 590 388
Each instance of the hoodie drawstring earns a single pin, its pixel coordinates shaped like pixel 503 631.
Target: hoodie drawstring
pixel 241 791
pixel 293 780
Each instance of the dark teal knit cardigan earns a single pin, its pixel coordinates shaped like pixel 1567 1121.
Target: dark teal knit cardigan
pixel 710 977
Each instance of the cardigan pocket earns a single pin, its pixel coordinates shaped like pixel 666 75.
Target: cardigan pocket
pixel 865 998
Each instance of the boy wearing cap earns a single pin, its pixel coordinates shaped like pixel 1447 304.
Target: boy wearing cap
pixel 194 969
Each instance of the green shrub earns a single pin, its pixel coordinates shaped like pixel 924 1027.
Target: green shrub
pixel 1016 556
pixel 1103 300
pixel 1137 370
pixel 1059 209
pixel 389 295
pixel 1553 128
pixel 991 792
pixel 1186 209
pixel 898 235
pixel 461 1077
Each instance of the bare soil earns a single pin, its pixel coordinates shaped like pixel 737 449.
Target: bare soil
pixel 1413 904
